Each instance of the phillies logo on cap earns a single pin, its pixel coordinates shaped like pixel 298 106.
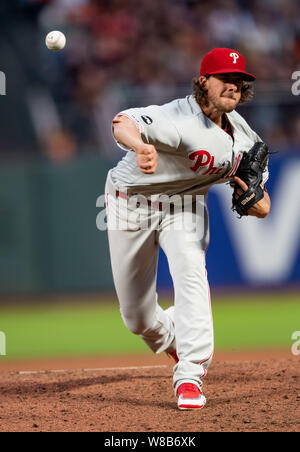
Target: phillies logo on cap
pixel 235 56
pixel 222 61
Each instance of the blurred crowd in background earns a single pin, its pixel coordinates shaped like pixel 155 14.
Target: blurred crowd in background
pixel 125 53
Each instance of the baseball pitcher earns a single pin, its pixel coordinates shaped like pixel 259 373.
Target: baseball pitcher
pixel 156 197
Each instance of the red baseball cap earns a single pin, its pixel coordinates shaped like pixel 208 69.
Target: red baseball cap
pixel 222 61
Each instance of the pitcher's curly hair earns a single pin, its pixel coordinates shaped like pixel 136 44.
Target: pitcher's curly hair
pixel 200 93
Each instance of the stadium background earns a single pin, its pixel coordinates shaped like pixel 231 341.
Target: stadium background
pixel 56 289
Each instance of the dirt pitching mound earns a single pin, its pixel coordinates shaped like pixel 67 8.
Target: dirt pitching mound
pixel 254 395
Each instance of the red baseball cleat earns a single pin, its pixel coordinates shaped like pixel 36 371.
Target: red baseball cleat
pixel 190 397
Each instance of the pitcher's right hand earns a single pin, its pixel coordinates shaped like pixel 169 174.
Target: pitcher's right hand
pixel 146 157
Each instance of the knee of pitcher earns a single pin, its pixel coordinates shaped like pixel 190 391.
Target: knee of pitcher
pixel 136 326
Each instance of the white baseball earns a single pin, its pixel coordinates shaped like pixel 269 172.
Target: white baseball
pixel 55 40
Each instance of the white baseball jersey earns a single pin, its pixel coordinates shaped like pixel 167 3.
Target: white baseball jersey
pixel 194 152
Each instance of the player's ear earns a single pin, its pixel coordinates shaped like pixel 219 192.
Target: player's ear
pixel 202 80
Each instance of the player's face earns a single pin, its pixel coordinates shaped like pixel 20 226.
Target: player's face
pixel 224 91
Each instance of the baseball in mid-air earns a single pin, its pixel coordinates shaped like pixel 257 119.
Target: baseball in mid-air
pixel 55 40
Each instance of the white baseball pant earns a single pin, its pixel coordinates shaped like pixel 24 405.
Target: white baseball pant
pixel 135 235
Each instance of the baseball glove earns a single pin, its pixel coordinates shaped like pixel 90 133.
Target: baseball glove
pixel 250 170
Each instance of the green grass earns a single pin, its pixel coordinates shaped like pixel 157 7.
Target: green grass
pixel 256 322
pixel 97 329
